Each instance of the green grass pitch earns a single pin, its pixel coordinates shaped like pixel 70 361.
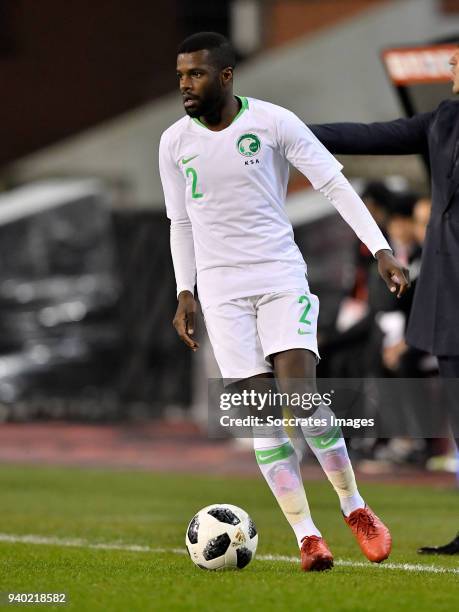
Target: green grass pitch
pixel 151 510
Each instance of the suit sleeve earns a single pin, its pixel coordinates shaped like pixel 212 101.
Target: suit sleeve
pixel 398 137
pixel 181 233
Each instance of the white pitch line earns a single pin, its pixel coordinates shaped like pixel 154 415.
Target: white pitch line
pixel 80 543
pixel 407 567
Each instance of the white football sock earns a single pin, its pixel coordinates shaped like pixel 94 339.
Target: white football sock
pixel 279 465
pixel 328 445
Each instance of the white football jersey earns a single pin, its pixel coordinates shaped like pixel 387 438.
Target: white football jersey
pixel 231 185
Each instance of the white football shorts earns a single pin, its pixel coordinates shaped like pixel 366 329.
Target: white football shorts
pixel 244 332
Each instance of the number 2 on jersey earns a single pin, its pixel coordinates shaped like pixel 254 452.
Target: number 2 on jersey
pixel 194 193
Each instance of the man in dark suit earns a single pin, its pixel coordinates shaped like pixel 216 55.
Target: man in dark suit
pixel 434 321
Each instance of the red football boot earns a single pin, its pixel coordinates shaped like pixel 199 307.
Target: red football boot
pixel 315 555
pixel 370 532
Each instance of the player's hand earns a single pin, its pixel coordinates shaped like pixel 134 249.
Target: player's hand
pixel 184 320
pixel 396 276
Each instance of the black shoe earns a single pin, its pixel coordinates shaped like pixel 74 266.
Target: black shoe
pixel 448 549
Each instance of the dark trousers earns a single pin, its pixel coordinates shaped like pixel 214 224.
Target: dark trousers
pixel 449 368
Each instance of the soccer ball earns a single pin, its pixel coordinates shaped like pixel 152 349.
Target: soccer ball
pixel 221 536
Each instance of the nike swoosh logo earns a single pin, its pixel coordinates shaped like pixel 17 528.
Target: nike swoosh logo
pixel 303 333
pixel 186 160
pixel 266 457
pixel 326 442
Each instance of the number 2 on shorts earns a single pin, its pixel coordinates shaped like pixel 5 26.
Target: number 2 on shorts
pixel 307 308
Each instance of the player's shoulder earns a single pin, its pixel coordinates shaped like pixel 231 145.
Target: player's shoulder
pixel 175 130
pixel 277 117
pixel 268 108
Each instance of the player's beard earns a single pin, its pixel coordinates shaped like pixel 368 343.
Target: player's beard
pixel 195 112
pixel 209 107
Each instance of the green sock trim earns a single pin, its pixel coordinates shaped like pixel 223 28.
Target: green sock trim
pixel 270 455
pixel 327 439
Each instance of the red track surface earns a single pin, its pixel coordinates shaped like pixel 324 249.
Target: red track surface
pixel 153 445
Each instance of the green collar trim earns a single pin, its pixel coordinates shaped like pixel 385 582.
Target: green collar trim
pixel 244 106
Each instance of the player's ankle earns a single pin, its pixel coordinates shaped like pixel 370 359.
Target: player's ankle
pixel 304 529
pixel 351 503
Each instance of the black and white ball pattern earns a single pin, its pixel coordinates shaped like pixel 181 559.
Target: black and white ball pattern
pixel 221 536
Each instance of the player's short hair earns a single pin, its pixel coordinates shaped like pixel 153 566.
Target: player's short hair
pixel 221 50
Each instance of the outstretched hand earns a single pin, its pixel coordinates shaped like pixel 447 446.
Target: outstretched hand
pixel 392 272
pixel 184 320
